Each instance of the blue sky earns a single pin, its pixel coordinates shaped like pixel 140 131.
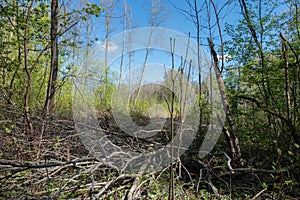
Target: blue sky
pixel 175 19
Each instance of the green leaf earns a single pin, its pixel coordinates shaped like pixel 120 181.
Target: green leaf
pixel 264 185
pixel 279 151
pixel 7 130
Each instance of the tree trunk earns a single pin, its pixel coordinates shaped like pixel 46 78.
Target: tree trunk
pixel 54 58
pixel 231 136
pixel 28 74
pixel 49 103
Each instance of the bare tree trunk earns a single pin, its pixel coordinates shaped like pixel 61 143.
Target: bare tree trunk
pixel 49 102
pixel 289 122
pixel 10 92
pixel 123 48
pixel 231 136
pixel 171 110
pixel 54 58
pixel 28 74
pixel 87 36
pixel 286 73
pixel 220 33
pixel 109 7
pixel 107 23
pixel 130 55
pixel 157 14
pixel 197 23
pixel 143 70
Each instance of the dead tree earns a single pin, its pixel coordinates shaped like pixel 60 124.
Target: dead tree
pixel 231 135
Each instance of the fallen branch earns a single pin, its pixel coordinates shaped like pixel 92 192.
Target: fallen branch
pixel 122 176
pixel 133 190
pixel 37 166
pixel 259 194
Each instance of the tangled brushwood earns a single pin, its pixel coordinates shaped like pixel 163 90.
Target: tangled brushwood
pixel 59 167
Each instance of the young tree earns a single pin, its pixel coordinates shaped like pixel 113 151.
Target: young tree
pixel 195 13
pixel 109 9
pixel 157 14
pixel 28 73
pixel 54 57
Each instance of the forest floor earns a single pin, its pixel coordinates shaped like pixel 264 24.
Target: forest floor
pixel 59 166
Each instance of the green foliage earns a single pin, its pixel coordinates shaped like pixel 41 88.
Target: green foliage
pixel 261 76
pixel 13 22
pixel 263 90
pixel 93 9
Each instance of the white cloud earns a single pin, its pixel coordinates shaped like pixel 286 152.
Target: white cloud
pixel 111 46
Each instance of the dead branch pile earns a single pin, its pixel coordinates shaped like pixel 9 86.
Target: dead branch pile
pixel 62 167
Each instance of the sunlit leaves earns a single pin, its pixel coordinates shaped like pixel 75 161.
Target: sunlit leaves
pixel 92 9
